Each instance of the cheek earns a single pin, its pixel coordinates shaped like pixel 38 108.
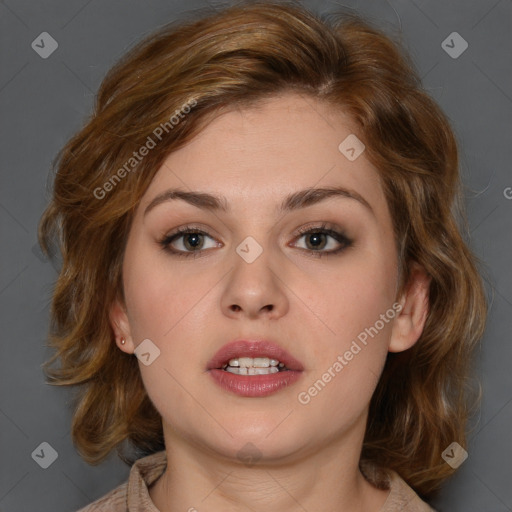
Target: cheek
pixel 354 296
pixel 352 328
pixel 163 305
pixel 150 305
pixel 158 295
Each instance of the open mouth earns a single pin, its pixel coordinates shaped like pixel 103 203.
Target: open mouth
pixel 261 357
pixel 254 366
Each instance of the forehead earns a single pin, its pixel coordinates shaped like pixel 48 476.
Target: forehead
pixel 261 153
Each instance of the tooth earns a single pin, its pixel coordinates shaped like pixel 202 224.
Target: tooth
pixel 261 371
pixel 245 362
pixel 252 370
pixel 248 365
pixel 261 362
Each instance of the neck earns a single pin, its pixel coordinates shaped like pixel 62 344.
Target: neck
pixel 198 478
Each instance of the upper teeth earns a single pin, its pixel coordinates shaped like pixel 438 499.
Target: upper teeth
pixel 253 366
pixel 254 362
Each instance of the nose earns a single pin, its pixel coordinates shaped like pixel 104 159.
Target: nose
pixel 254 290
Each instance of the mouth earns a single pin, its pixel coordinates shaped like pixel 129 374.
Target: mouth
pixel 257 357
pixel 255 368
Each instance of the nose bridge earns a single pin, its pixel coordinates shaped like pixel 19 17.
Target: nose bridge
pixel 253 285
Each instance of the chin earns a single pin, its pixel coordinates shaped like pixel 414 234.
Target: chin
pixel 258 441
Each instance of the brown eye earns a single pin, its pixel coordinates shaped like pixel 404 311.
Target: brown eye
pixel 185 242
pixel 193 241
pixel 318 239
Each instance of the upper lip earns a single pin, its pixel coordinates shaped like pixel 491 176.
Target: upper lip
pixel 253 348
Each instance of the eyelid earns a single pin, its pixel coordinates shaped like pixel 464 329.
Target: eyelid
pixel 315 226
pixel 180 231
pixel 190 228
pixel 332 230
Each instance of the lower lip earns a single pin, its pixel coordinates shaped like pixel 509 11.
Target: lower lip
pixel 254 385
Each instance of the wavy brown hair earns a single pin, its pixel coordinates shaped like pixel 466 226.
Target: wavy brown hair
pixel 234 58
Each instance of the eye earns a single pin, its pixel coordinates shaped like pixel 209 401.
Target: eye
pixel 189 241
pixel 317 240
pixel 185 241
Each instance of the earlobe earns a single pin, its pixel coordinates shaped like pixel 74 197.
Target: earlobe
pixel 121 326
pixel 409 324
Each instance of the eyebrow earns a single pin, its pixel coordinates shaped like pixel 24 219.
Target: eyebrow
pixel 294 201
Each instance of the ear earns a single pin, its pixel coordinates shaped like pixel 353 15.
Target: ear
pixel 121 326
pixel 408 325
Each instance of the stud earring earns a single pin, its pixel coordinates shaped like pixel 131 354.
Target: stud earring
pixel 123 341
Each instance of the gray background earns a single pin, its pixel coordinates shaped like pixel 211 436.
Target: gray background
pixel 44 101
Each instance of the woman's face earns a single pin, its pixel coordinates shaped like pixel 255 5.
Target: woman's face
pixel 253 275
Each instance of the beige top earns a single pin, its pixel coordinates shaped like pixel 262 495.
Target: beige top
pixel 133 495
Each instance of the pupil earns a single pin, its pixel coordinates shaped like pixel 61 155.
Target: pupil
pixel 195 244
pixel 317 237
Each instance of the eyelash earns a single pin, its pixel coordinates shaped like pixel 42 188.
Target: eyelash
pixel 340 237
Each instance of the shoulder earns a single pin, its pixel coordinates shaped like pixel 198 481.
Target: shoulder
pixel 113 501
pixel 134 493
pixel 401 495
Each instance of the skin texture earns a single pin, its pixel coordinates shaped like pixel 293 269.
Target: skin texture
pixel 313 307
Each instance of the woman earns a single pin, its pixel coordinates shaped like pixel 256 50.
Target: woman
pixel 264 288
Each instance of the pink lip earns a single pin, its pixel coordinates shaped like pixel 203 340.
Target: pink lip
pixel 254 385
